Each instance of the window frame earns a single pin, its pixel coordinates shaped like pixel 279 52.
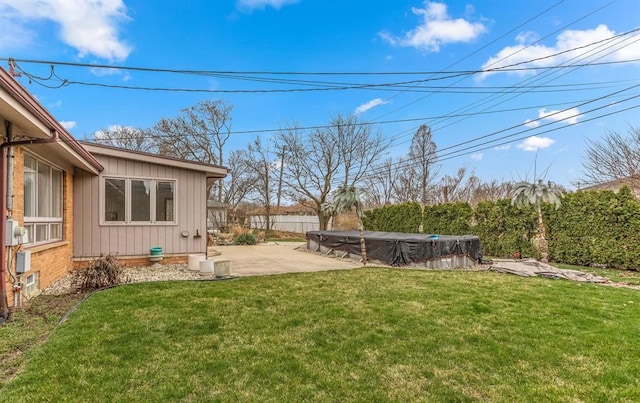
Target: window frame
pixel 33 223
pixel 153 184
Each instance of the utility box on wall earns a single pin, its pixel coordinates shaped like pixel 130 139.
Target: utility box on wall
pixel 15 234
pixel 23 261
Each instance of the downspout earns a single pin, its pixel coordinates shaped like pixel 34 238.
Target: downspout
pixel 6 205
pixel 4 305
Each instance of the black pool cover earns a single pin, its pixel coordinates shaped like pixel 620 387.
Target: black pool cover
pixel 398 248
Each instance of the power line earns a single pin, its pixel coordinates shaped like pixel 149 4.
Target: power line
pixel 549 130
pixel 363 123
pixel 512 90
pixel 407 162
pixel 318 85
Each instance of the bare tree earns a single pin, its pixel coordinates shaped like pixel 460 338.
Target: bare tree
pixel 259 160
pixel 199 133
pixel 466 187
pixel 492 191
pixel 315 161
pixel 358 145
pixel 420 165
pixel 615 157
pixel 456 188
pixel 382 184
pixel 127 137
pixel 240 179
pixel 405 188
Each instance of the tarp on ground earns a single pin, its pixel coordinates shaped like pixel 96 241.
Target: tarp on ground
pixel 533 268
pixel 400 249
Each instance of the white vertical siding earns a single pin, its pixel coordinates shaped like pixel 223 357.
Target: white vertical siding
pixel 92 239
pixel 300 224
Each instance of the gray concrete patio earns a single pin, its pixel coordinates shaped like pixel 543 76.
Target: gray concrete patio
pixel 272 258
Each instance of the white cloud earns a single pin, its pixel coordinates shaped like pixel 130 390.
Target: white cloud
pixel 91 27
pixel 436 29
pixel 535 143
pixel 502 147
pixel 262 4
pixel 477 157
pixel 569 116
pixel 565 42
pixel 68 124
pixel 369 105
pixel 104 72
pixel 527 37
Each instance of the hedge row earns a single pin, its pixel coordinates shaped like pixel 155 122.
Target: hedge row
pixel 590 228
pixel 596 228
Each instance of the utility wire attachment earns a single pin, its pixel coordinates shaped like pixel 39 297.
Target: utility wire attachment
pixel 12 69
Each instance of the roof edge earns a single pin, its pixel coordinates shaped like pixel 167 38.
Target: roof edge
pixel 18 92
pixel 101 149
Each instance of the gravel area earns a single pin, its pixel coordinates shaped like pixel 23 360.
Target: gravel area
pixel 156 272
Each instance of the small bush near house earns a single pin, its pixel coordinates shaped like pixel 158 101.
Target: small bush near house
pixel 103 272
pixel 245 239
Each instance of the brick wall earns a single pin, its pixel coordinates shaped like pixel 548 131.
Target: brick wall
pixel 54 262
pixel 50 261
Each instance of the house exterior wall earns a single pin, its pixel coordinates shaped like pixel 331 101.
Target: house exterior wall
pixel 49 262
pixel 93 238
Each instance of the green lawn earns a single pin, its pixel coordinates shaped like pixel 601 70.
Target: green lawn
pixel 362 335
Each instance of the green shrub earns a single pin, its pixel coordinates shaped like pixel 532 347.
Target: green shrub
pixel 405 217
pixel 595 228
pixel 505 230
pixel 106 271
pixel 245 239
pixel 447 219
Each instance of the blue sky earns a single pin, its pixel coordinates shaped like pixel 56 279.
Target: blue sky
pixel 468 113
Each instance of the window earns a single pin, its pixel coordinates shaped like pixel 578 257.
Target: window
pixel 42 201
pixel 31 284
pixel 114 200
pixel 138 201
pixel 164 201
